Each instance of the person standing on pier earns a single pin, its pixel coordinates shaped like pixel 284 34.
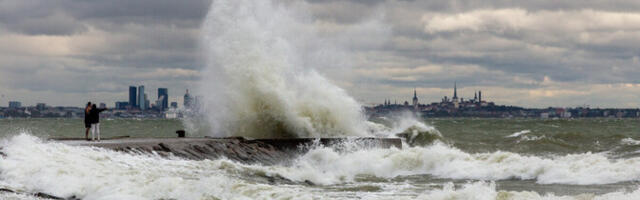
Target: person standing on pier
pixel 87 120
pixel 94 115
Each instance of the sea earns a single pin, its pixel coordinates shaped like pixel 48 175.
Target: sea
pixel 444 159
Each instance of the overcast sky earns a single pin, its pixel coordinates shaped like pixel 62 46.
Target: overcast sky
pixel 532 54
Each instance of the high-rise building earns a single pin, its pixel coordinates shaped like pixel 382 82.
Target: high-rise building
pixel 146 102
pixel 102 105
pixel 163 99
pixel 158 105
pixel 141 98
pixel 133 97
pixel 480 96
pixel 187 100
pixel 15 104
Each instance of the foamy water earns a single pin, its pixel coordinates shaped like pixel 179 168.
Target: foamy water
pixel 32 166
pixel 519 133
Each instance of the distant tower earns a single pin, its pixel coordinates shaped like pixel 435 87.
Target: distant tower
pixel 146 102
pixel 163 96
pixel 187 100
pixel 133 93
pixel 141 99
pixel 475 96
pixel 480 96
pixel 455 91
pixel 415 99
pixel 455 95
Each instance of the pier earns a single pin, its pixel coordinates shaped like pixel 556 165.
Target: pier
pixel 263 151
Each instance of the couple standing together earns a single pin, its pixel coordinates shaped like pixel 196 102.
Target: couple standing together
pixel 92 121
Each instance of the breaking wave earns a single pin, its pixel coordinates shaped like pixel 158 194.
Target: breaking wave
pixel 629 141
pixel 325 165
pixel 261 81
pixel 519 133
pixel 30 165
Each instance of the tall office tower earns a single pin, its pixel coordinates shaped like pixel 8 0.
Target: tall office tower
pixel 187 100
pixel 147 103
pixel 163 96
pixel 141 101
pixel 133 92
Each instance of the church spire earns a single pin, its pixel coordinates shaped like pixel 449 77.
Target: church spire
pixel 455 90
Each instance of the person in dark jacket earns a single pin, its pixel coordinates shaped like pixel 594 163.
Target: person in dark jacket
pixel 87 120
pixel 94 117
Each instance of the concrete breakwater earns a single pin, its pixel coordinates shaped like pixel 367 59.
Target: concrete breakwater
pixel 263 151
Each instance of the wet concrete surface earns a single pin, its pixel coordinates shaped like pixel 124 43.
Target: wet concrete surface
pixel 263 151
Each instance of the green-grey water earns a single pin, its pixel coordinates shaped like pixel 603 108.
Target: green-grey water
pixel 72 128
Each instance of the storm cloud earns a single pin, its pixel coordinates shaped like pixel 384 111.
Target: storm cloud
pixel 532 54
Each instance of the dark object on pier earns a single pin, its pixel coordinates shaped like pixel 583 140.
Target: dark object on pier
pixel 181 133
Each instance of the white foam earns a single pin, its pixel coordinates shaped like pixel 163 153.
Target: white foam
pixel 519 133
pixel 327 166
pixel 629 141
pixel 487 191
pixel 31 165
pixel 90 173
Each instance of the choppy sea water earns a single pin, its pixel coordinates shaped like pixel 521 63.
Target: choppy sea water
pixel 469 159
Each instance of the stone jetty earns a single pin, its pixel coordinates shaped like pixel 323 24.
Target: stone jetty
pixel 263 151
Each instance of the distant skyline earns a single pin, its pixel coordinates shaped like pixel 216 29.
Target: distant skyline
pixel 529 54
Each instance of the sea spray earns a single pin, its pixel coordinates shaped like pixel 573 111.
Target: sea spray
pixel 260 81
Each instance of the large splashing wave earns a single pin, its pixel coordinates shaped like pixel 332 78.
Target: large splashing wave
pixel 260 80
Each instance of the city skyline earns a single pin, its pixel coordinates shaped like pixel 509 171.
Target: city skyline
pixel 133 90
pixel 513 53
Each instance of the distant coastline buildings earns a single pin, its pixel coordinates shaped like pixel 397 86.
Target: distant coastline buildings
pixel 452 104
pixel 478 107
pixel 138 106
